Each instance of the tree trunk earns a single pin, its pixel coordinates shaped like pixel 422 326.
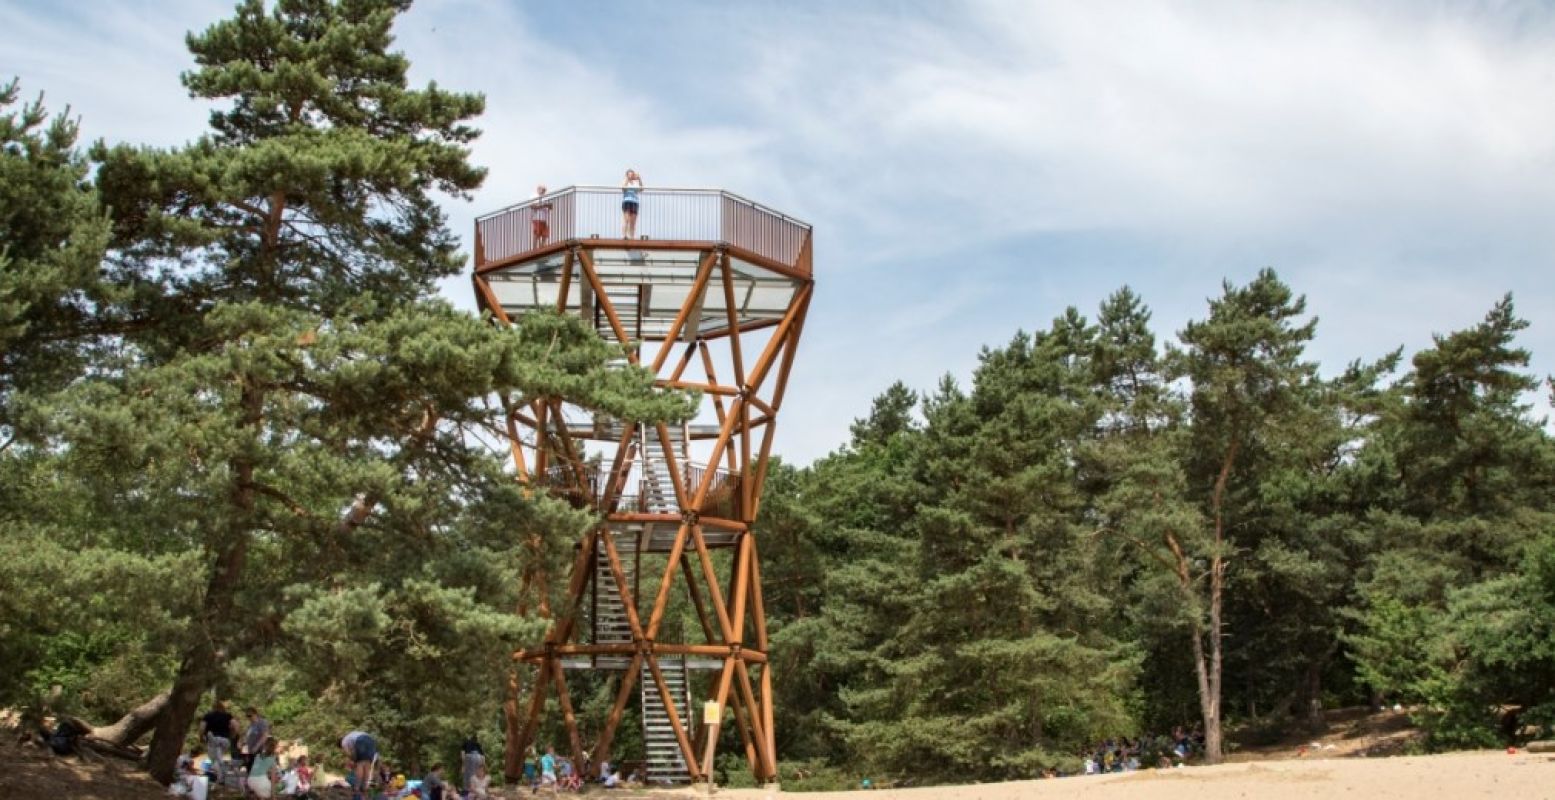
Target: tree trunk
pixel 135 724
pixel 1209 684
pixel 202 656
pixel 200 665
pixel 1310 696
pixel 1208 675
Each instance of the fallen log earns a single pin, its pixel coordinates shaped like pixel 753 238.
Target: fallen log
pixel 1542 746
pixel 130 727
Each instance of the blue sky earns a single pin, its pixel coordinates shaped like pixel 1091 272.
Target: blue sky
pixel 974 168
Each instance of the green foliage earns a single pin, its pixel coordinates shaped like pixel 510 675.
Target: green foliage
pixel 269 407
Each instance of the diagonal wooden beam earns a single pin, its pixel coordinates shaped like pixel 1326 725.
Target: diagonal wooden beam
pixel 758 373
pixel 704 271
pixel 619 574
pixel 603 299
pixel 623 694
pixel 656 617
pixel 790 348
pixel 692 765
pixel 536 705
pixel 677 475
pixel 714 590
pixel 757 606
pixel 577 587
pixel 742 723
pixel 733 313
pixel 489 300
pixel 515 441
pixel 724 432
pixel 768 750
pixel 566 281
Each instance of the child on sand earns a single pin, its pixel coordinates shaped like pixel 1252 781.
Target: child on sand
pixel 480 784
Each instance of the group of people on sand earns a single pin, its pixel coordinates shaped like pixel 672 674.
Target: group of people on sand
pixel 367 770
pixel 631 202
pixel 553 774
pixel 258 772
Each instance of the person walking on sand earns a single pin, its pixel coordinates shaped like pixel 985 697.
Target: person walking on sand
pixel 631 201
pixel 216 728
pixel 361 752
pixel 540 217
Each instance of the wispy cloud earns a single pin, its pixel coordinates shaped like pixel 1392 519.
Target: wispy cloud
pixel 973 167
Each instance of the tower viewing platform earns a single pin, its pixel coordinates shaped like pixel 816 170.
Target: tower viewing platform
pixel 708 292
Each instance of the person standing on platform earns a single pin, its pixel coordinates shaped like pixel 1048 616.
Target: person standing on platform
pixel 540 217
pixel 631 201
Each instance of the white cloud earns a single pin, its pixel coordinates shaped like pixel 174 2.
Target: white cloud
pixel 973 167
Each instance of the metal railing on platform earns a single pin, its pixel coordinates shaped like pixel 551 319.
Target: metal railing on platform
pixel 595 212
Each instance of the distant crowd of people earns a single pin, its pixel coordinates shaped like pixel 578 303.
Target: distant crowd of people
pixel 1125 754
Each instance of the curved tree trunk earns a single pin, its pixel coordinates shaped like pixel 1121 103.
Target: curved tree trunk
pixel 137 723
pixel 198 670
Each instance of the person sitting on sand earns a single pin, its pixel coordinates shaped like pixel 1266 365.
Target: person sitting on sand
pixel 479 785
pixel 262 774
pixel 191 782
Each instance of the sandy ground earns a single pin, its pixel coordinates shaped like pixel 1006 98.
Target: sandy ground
pixel 1458 775
pixel 27 772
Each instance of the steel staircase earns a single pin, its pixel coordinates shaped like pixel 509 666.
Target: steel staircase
pixel 658 490
pixel 666 764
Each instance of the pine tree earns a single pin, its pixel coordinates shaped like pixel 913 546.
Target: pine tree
pixel 1244 363
pixel 52 238
pixel 1449 613
pixel 294 376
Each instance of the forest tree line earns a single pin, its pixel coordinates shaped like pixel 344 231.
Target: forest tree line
pixel 245 453
pixel 1107 535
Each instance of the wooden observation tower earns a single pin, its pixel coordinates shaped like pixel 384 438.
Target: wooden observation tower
pixel 711 295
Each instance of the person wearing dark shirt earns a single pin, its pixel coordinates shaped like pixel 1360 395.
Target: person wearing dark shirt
pixel 216 729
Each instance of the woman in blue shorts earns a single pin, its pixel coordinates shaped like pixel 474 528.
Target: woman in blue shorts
pixel 631 190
